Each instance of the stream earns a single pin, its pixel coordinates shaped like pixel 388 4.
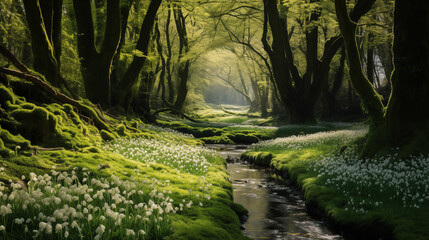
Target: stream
pixel 276 208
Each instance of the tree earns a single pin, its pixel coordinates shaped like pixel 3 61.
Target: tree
pixel 96 65
pixel 299 92
pixel 44 22
pixel 124 86
pixel 404 122
pixel 184 64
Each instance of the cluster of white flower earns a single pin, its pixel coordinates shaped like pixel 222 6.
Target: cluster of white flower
pixel 68 206
pixel 167 132
pixel 186 158
pixel 380 181
pixel 301 141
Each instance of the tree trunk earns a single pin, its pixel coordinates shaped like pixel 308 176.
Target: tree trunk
pixel 96 66
pixel 263 92
pixel 116 64
pixel 406 123
pixel 370 98
pixel 370 68
pixel 301 112
pixel 183 71
pixel 44 29
pixel 171 92
pixel 130 77
pixel 331 94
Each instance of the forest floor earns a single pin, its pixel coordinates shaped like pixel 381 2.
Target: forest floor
pixel 154 182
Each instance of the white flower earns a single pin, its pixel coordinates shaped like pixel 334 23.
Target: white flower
pixel 19 220
pixel 2 228
pixel 74 224
pixel 130 232
pixel 58 228
pixel 100 229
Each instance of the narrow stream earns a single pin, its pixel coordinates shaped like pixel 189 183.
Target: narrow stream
pixel 276 209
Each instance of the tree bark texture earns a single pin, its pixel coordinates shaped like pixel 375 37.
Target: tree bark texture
pixel 96 65
pixel 44 22
pixel 407 114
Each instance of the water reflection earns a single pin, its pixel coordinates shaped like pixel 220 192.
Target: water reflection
pixel 276 210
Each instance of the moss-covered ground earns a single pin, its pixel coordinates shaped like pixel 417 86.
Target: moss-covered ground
pixel 367 199
pixel 45 139
pixel 227 133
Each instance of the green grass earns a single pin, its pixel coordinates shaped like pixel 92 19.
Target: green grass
pixel 377 197
pixel 199 188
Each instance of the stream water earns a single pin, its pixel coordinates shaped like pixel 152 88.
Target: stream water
pixel 276 209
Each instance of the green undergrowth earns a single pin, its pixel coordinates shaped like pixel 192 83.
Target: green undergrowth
pixel 221 133
pixel 373 198
pixel 44 138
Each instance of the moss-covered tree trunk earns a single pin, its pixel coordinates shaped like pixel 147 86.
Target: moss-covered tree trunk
pixel 96 65
pixel 44 22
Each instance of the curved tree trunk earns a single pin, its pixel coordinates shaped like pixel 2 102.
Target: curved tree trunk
pixel 370 98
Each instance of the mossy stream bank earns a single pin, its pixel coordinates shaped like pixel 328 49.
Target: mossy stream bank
pixel 338 187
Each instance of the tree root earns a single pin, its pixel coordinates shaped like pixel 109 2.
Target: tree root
pixel 93 113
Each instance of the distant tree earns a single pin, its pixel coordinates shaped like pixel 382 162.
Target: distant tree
pixel 404 122
pixel 300 92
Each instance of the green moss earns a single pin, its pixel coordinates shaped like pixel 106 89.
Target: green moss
pixel 258 158
pixel 60 125
pixel 6 95
pixel 36 124
pixel 10 141
pixel 92 150
pixel 120 129
pixel 246 138
pixel 107 136
pixel 217 140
